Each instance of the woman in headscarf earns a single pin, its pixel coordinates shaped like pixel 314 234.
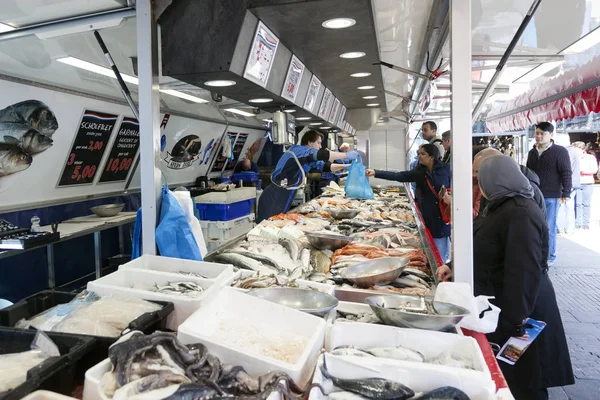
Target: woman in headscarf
pixel 430 175
pixel 510 249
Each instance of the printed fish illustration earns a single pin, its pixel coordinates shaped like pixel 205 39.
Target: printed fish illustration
pixel 13 159
pixel 24 136
pixel 33 113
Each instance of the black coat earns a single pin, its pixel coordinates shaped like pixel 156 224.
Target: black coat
pixel 510 249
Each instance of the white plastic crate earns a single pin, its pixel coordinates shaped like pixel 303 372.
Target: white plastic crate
pixel 231 196
pixel 213 245
pixel 46 395
pixel 417 376
pixel 124 280
pixel 259 318
pixel 227 230
pixel 92 389
pixel 212 271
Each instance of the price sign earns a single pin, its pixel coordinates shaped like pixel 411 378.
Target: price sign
pixel 122 154
pixel 88 148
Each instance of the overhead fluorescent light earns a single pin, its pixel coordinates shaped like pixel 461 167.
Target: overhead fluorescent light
pixel 302 118
pixel 78 63
pixel 6 28
pixel 338 23
pixel 360 74
pixel 369 97
pixel 326 127
pixel 365 87
pixel 589 40
pixel 537 72
pixel 220 83
pixel 316 123
pixel 289 110
pixel 372 104
pixel 353 54
pixel 267 120
pixel 240 112
pixel 260 100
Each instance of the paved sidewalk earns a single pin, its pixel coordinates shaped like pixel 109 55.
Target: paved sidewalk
pixel 576 279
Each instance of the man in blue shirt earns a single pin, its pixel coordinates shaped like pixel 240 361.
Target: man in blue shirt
pixel 246 165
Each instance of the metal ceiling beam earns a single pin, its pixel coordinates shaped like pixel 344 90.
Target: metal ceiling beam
pixel 521 57
pixel 401 69
pixel 65 23
pixel 398 95
pixel 500 67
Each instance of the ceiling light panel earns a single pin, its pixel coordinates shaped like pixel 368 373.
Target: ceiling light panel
pixel 353 54
pixel 360 74
pixel 260 100
pixel 239 112
pixel 220 83
pixel 338 23
pixel 366 87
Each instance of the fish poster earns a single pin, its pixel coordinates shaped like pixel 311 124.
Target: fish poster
pixel 292 79
pixel 26 129
pixel 89 145
pixel 313 91
pixel 184 153
pixel 123 151
pixel 237 150
pixel 262 54
pixel 326 104
pixel 253 152
pixel 334 111
pixel 221 160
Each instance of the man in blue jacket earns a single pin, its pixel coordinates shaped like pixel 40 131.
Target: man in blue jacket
pixel 552 164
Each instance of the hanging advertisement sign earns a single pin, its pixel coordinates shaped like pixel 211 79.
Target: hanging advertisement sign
pixel 89 145
pixel 123 151
pixel 237 150
pixel 223 154
pixel 340 121
pixel 262 53
pixel 311 96
pixel 326 104
pixel 334 111
pixel 292 79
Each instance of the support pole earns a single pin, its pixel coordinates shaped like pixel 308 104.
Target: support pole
pixel 462 184
pixel 149 107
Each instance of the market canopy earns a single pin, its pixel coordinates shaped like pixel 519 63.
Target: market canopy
pixel 572 94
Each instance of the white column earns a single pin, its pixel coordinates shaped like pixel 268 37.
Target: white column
pixel 149 107
pixel 462 204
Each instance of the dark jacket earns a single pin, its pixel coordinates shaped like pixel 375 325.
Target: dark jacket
pixel 554 169
pixel 426 200
pixel 510 249
pixel 534 180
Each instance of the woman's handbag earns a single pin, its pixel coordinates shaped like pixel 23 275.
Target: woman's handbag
pixel 445 209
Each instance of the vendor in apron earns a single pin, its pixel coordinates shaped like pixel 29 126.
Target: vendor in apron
pixel 287 177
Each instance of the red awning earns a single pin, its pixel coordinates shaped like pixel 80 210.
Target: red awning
pixel 574 93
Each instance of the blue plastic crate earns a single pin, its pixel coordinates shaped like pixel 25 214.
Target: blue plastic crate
pixel 245 176
pixel 224 212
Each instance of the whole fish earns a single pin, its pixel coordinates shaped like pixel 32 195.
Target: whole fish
pixel 343 395
pixel 350 351
pixel 397 353
pixel 444 393
pixel 13 159
pixel 373 388
pixel 243 262
pixel 260 257
pixel 406 282
pixel 414 278
pixel 28 138
pixel 292 247
pixel 305 259
pixel 319 261
pixel 33 113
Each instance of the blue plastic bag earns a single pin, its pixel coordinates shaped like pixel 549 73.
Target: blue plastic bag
pixel 174 236
pixel 357 184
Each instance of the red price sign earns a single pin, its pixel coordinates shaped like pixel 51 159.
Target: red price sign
pixel 118 164
pixel 122 153
pixel 83 172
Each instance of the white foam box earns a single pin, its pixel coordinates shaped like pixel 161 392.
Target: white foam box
pixel 213 245
pixel 92 390
pixel 344 306
pixel 212 271
pixel 46 395
pixel 257 316
pixel 231 196
pixel 417 376
pixel 302 283
pixel 227 230
pixel 139 283
pixel 429 343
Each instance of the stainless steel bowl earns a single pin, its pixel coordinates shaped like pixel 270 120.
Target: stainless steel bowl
pixel 324 241
pixel 380 270
pixel 343 214
pixel 307 300
pixel 107 210
pixel 446 315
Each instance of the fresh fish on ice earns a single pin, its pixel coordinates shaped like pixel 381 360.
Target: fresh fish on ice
pixel 244 262
pixel 450 360
pixel 444 393
pixel 260 257
pixel 343 395
pixel 397 353
pixel 319 261
pixel 305 260
pixel 292 247
pixel 350 351
pixel 190 289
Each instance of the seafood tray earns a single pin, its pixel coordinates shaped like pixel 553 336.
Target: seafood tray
pixel 44 300
pixel 276 338
pixel 140 284
pixel 460 351
pixel 56 373
pixel 321 287
pixel 416 376
pixel 210 271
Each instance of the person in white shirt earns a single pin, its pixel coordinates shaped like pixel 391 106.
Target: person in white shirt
pixel 429 132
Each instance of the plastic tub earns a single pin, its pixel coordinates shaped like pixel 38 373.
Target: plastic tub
pixel 228 197
pixel 224 212
pixel 227 230
pixel 264 318
pixel 123 281
pixel 56 373
pixel 212 271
